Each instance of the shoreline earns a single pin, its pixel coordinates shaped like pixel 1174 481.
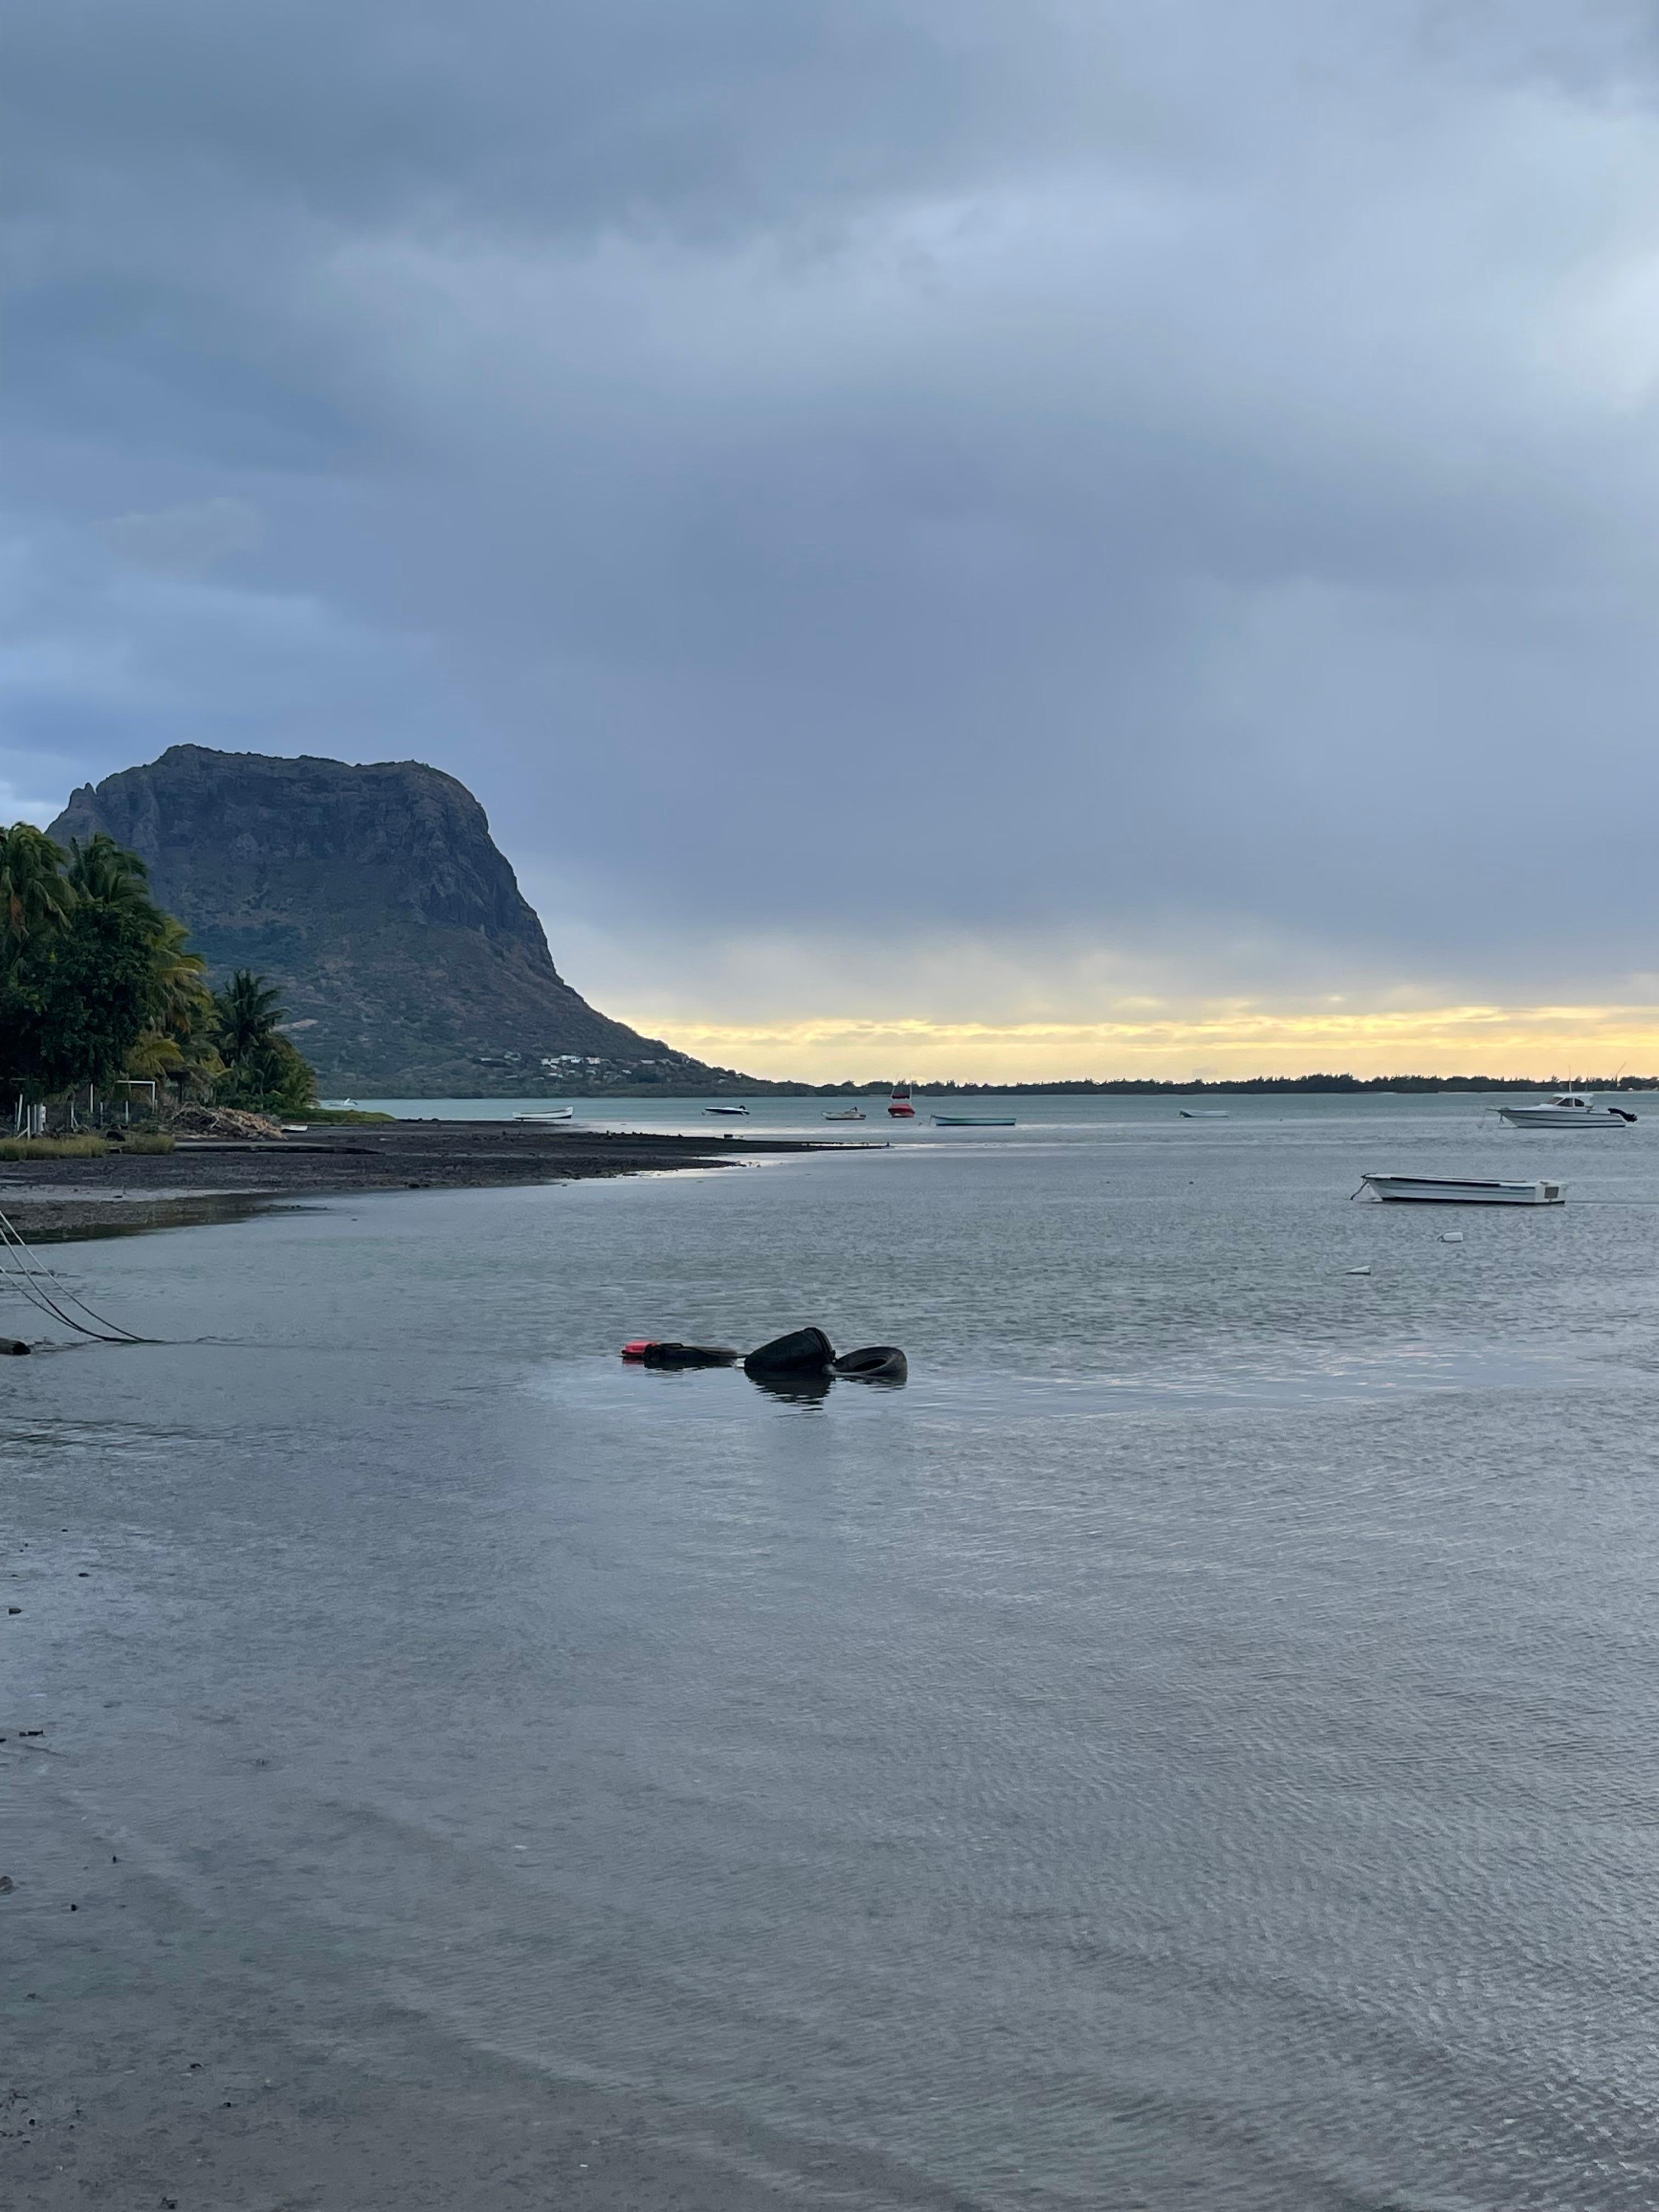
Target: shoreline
pixel 206 1180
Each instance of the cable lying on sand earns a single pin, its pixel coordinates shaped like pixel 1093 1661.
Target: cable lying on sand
pixel 805 1358
pixel 49 1294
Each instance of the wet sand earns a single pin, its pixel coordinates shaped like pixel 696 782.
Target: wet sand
pixel 155 2061
pixel 210 1179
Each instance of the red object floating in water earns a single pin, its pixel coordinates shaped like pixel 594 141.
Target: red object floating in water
pixel 637 1349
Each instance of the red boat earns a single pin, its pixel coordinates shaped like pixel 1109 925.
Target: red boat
pixel 899 1104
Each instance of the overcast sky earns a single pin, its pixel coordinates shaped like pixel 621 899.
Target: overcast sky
pixel 1055 535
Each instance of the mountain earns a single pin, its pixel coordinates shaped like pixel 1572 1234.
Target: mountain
pixel 375 898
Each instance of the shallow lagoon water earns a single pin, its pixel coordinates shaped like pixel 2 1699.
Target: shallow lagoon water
pixel 1192 1747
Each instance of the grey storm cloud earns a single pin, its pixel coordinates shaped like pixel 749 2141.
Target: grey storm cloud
pixel 1056 473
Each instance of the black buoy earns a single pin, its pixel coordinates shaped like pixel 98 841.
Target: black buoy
pixel 12 1347
pixel 799 1357
pixel 873 1363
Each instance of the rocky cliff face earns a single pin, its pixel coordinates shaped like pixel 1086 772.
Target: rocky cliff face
pixel 376 899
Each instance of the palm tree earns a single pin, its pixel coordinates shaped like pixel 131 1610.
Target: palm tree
pixel 108 875
pixel 185 999
pixel 249 1009
pixel 34 895
pixel 180 1045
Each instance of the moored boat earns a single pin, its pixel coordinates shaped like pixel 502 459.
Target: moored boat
pixel 1571 1110
pixel 553 1114
pixel 847 1114
pixel 973 1121
pixel 1202 1113
pixel 899 1104
pixel 1463 1190
pixel 725 1109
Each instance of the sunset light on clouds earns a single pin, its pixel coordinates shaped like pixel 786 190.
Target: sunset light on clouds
pixel 1234 1040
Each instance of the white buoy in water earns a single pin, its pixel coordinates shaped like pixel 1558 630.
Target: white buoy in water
pixel 1451 1236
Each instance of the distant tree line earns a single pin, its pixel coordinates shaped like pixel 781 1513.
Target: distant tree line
pixel 1147 1086
pixel 1135 1086
pixel 98 984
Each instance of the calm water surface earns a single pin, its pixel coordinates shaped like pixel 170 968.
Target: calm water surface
pixel 1194 1746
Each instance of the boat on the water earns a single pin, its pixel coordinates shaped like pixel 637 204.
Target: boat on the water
pixel 1464 1190
pixel 1571 1110
pixel 727 1110
pixel 974 1121
pixel 899 1104
pixel 1202 1113
pixel 846 1114
pixel 553 1114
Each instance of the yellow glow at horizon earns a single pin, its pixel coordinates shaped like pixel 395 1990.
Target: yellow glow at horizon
pixel 1237 1040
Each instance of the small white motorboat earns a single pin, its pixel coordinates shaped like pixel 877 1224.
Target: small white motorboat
pixel 553 1114
pixel 1202 1113
pixel 1463 1190
pixel 1571 1110
pixel 846 1114
pixel 974 1121
pixel 727 1110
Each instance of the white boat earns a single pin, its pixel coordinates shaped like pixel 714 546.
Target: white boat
pixel 974 1121
pixel 846 1114
pixel 725 1109
pixel 1571 1110
pixel 1469 1190
pixel 1202 1113
pixel 553 1114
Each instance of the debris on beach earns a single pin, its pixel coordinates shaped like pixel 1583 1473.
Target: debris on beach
pixel 198 1121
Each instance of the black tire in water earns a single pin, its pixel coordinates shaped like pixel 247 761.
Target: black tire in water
pixel 873 1363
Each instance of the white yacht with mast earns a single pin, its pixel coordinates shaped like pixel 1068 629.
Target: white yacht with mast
pixel 1573 1109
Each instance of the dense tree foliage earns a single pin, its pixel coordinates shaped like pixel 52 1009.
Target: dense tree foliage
pixel 79 1000
pixel 263 1070
pixel 33 897
pixel 97 983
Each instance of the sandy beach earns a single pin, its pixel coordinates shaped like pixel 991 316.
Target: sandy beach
pixel 210 1179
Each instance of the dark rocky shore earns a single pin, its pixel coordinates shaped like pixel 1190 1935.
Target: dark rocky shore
pixel 210 1179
